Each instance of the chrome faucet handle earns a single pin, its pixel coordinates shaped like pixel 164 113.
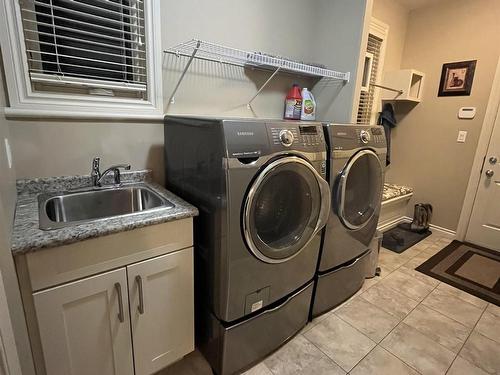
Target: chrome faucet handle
pixel 95 172
pixel 116 173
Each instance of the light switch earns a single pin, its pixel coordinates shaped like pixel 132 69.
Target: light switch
pixel 8 152
pixel 462 134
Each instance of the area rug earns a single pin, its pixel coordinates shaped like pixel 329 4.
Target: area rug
pixel 468 267
pixel 400 238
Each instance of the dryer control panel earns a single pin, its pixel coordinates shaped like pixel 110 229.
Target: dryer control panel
pixel 349 137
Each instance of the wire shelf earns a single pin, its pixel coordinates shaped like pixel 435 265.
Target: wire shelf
pixel 228 55
pixel 202 50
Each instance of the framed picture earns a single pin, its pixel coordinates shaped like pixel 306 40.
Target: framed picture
pixel 456 78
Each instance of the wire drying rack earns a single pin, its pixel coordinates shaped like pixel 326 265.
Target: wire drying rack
pixel 202 50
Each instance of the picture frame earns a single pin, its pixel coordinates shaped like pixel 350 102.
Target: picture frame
pixel 457 78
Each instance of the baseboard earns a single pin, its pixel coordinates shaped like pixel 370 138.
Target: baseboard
pixel 446 231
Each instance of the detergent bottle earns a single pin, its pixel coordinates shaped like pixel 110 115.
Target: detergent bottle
pixel 293 103
pixel 308 111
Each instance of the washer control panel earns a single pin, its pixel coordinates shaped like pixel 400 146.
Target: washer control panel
pixel 304 136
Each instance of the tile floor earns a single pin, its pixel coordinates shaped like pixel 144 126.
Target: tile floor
pixel 403 322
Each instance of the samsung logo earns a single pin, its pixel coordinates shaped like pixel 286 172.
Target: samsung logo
pixel 245 133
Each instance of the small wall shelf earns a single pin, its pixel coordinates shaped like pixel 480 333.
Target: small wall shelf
pixel 202 50
pixel 403 85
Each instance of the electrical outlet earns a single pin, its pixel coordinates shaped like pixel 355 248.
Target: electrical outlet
pixel 8 152
pixel 462 134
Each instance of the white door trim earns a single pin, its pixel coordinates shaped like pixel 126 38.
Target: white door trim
pixel 482 147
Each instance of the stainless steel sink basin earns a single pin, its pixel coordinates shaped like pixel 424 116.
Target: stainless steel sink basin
pixel 59 210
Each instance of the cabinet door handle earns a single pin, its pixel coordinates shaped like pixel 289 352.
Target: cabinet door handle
pixel 138 280
pixel 118 288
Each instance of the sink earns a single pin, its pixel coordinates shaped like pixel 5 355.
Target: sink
pixel 58 210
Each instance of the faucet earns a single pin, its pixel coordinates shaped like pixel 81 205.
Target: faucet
pixel 97 176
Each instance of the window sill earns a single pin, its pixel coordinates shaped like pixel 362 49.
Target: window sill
pixel 20 113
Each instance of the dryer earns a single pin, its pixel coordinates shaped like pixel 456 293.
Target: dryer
pixel 261 190
pixel 356 177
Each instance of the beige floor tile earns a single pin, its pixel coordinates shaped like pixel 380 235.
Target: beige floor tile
pixel 453 307
pixel 316 321
pixel 416 261
pixel 390 260
pixel 370 282
pixel 420 276
pixel 389 300
pixel 482 352
pixel 417 350
pixel 467 297
pixel 411 252
pixel 192 364
pixel 380 362
pixel 342 343
pixel 367 318
pixel 489 326
pixel 494 309
pixel 438 327
pixel 463 367
pixel 260 369
pixel 300 356
pixel 407 285
pixel 433 249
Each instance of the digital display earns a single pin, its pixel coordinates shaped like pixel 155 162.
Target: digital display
pixel 308 130
pixel 376 131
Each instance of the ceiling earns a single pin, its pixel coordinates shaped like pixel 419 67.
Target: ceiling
pixel 415 4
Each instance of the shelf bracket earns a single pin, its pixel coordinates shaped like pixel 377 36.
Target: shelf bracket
pixel 263 86
pixel 171 100
pixel 387 88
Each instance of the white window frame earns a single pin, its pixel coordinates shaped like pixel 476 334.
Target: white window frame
pixel 381 31
pixel 24 102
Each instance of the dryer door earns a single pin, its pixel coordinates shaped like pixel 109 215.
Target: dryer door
pixel 359 189
pixel 285 207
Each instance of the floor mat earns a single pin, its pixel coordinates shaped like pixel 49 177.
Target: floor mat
pixel 400 238
pixel 473 269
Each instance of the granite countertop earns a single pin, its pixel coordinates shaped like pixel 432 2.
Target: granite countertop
pixel 27 236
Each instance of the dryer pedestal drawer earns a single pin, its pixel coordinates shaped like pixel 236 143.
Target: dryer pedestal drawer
pixel 237 347
pixel 336 286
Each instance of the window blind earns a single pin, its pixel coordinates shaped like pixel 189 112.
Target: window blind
pixel 366 100
pixel 76 45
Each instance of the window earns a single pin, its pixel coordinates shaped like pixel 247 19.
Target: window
pixel 368 100
pixel 84 55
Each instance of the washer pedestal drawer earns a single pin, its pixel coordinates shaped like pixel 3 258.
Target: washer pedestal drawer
pixel 336 286
pixel 236 347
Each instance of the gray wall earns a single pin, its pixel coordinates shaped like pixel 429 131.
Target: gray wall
pixel 425 152
pixel 7 208
pixel 321 31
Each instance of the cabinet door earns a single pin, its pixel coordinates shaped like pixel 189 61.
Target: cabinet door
pixel 85 326
pixel 161 310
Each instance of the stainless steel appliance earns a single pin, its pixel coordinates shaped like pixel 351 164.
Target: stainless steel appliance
pixel 356 177
pixel 263 199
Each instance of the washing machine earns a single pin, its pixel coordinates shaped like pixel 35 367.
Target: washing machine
pixel 356 177
pixel 261 190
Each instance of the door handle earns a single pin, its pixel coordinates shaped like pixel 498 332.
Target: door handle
pixel 493 160
pixel 489 173
pixel 121 316
pixel 138 280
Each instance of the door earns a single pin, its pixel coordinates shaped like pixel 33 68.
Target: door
pixel 359 189
pixel 162 310
pixel 286 206
pixel 85 326
pixel 484 224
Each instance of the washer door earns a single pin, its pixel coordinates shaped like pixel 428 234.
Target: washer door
pixel 285 207
pixel 359 189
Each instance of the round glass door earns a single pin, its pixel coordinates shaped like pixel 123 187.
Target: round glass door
pixel 282 209
pixel 360 189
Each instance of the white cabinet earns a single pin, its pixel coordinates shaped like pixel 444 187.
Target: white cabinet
pixel 142 313
pixel 161 310
pixel 85 327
